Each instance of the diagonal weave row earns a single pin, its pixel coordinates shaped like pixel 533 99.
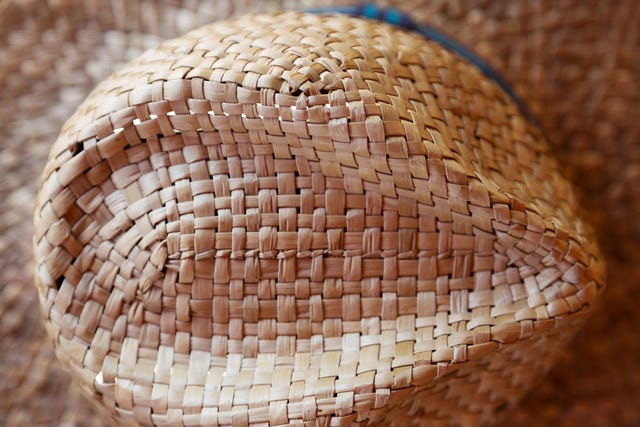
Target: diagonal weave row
pixel 289 218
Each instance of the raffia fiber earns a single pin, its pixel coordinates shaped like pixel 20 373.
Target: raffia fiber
pixel 292 219
pixel 41 87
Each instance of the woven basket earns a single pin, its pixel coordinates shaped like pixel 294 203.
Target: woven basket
pixel 295 219
pixel 572 61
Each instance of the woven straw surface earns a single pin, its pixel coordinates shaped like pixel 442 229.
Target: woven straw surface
pixel 290 218
pixel 48 65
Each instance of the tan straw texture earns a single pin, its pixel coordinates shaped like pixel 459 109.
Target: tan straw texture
pixel 292 219
pixel 575 63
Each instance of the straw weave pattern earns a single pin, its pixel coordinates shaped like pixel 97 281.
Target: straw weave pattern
pixel 291 219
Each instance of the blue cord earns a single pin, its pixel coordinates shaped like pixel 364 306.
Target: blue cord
pixel 399 19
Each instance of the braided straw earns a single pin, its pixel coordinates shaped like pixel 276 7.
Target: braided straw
pixel 291 219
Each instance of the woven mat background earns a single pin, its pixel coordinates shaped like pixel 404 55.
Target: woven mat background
pixel 597 383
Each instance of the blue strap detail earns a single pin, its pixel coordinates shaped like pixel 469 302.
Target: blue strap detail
pixel 400 19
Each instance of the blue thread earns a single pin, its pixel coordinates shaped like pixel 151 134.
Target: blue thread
pixel 400 19
pixel 370 11
pixel 394 17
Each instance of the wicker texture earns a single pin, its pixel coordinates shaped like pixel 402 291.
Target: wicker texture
pixel 293 219
pixel 576 64
pixel 52 53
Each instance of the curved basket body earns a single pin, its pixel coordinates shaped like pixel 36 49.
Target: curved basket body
pixel 296 219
